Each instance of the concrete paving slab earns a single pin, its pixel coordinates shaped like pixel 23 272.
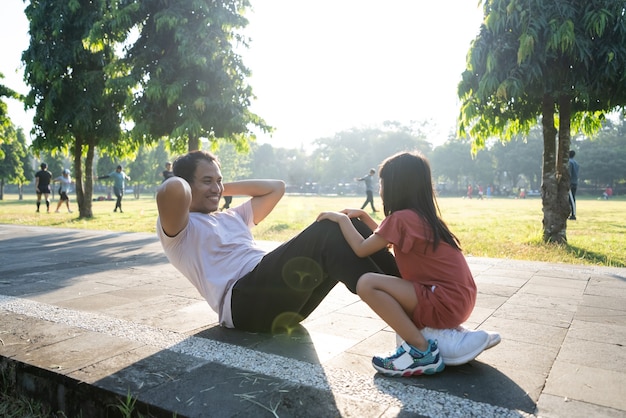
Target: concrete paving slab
pixel 601 315
pixel 586 384
pixel 539 289
pixel 527 332
pixel 551 406
pixel 544 316
pixel 544 301
pixel 592 353
pixel 591 331
pixel 20 334
pixel 72 354
pixel 608 302
pixel 138 370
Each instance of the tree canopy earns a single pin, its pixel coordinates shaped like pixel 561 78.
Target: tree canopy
pixel 5 122
pixel 188 80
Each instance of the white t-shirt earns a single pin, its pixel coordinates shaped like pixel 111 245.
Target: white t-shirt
pixel 213 252
pixel 65 183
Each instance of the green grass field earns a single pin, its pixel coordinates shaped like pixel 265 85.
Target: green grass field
pixel 500 228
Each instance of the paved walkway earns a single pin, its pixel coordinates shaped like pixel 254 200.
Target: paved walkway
pixel 88 316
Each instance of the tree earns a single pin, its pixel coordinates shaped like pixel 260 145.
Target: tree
pixel 14 152
pixel 5 123
pixel 190 82
pixel 534 59
pixel 74 110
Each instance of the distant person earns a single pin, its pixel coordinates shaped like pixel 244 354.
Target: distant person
pixel 227 202
pixel 167 173
pixel 436 290
pixel 470 191
pixel 480 192
pixel 65 181
pixel 42 185
pixel 608 192
pixel 489 192
pixel 573 183
pixel 369 189
pixel 118 185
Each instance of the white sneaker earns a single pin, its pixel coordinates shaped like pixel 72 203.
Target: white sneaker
pixel 456 347
pixel 494 337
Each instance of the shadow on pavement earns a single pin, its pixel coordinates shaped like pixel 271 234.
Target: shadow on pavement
pixel 57 257
pixel 223 373
pixel 475 381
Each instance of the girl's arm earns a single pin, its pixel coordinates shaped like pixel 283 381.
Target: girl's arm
pixel 265 195
pixel 362 247
pixel 361 215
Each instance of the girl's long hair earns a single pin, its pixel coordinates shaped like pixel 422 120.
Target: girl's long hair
pixel 407 184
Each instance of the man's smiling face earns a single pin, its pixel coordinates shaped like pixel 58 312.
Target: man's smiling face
pixel 207 187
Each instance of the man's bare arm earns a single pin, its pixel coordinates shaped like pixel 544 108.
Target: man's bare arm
pixel 173 201
pixel 265 194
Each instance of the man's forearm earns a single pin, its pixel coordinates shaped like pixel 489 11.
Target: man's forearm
pixel 253 188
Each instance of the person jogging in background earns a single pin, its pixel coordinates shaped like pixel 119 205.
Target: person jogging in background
pixel 42 185
pixel 65 181
pixel 118 185
pixel 369 189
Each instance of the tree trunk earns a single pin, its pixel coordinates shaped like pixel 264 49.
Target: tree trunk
pixel 84 191
pixel 88 186
pixel 20 191
pixel 1 189
pixel 555 177
pixel 193 143
pixel 549 181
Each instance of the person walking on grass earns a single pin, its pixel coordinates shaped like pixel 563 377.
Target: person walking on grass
pixel 119 178
pixel 42 185
pixel 436 290
pixel 369 189
pixel 250 288
pixel 65 181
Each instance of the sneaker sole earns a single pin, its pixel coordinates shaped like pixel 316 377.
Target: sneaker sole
pixel 457 361
pixel 417 371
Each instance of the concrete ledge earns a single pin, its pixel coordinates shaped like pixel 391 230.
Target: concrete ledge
pixel 70 396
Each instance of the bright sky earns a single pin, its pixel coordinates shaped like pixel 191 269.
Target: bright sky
pixel 320 67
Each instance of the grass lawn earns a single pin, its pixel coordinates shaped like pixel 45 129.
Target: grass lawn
pixel 499 228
